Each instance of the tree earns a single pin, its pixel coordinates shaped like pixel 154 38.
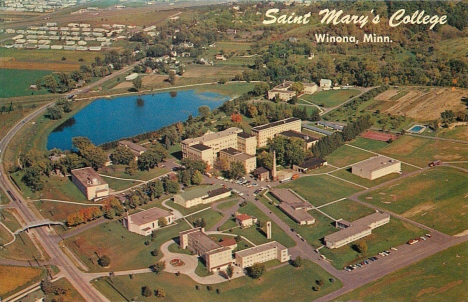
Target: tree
pixel 265 160
pixel 205 112
pixel 54 113
pixel 137 83
pixel 112 207
pixel 50 83
pixel 260 89
pixel 158 267
pixel 230 271
pixel 172 186
pixel 155 252
pixel 104 261
pixel 298 261
pixel 237 170
pixel 146 291
pixel 122 156
pixel 361 246
pixel 197 178
pixel 256 270
pixel 448 116
pixel 38 83
pixel 162 222
pixel 298 87
pixel 172 77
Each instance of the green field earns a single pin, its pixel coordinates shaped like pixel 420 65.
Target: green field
pixel 347 210
pixel 418 151
pixel 439 278
pixel 436 198
pixel 211 217
pixel 119 171
pixel 15 82
pixel 281 284
pixel 321 189
pixel 347 175
pixel 346 156
pixel 125 249
pixel 228 204
pixel 330 98
pixel 253 233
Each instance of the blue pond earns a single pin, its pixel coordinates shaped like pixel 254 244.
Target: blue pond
pixel 106 120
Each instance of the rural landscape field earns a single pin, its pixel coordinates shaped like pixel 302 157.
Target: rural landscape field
pixel 208 150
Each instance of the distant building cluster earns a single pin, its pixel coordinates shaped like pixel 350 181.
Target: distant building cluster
pixel 73 36
pixel 352 231
pixel 219 256
pixel 285 93
pixel 37 6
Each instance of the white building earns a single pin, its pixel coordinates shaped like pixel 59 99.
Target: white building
pixel 145 222
pixel 376 167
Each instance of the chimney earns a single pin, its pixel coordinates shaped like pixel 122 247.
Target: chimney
pixel 273 171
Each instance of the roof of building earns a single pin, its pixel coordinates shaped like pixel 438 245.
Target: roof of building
pixel 376 163
pixel 318 130
pixel 148 216
pixel 200 147
pixel 334 126
pixel 260 170
pixel 260 248
pixel 240 156
pixel 217 192
pixel 291 133
pixel 211 136
pixel 88 177
pixel 284 195
pixel 198 192
pixel 274 124
pixel 228 241
pixel 243 217
pixel 323 81
pixel 204 240
pixel 357 226
pixel 309 84
pixel 133 146
pixel 244 135
pixel 312 163
pixel 217 250
pixel 298 215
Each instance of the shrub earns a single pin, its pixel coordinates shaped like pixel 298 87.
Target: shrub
pixel 104 261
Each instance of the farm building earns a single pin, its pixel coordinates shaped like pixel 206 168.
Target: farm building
pixel 376 167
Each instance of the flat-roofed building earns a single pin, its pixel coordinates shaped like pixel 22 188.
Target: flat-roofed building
pixel 352 231
pixel 310 164
pixel 214 254
pixel 309 141
pixel 376 167
pixel 293 206
pixel 268 131
pixel 310 88
pixel 90 183
pixel 262 174
pixel 145 222
pixel 201 195
pixel 325 84
pixel 246 143
pixel 200 151
pixel 231 155
pixel 282 94
pixel 262 253
pixel 135 148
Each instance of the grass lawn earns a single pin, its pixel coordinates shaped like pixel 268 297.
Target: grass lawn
pixel 331 98
pixel 438 278
pixel 125 249
pixel 175 248
pixel 271 286
pixel 211 217
pixel 119 185
pixel 201 269
pixel 321 189
pixel 460 132
pixel 119 171
pixel 253 233
pixel 346 156
pixel 5 235
pixel 15 278
pixel 347 210
pixel 230 88
pixel 434 198
pixel 228 204
pixel 11 87
pixel 3 197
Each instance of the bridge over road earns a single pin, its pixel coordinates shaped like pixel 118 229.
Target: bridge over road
pixel 38 223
